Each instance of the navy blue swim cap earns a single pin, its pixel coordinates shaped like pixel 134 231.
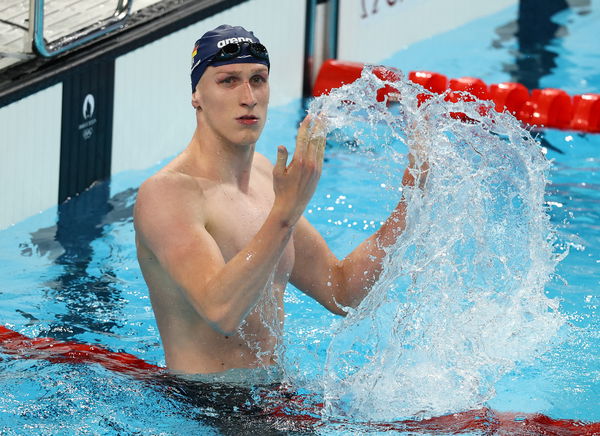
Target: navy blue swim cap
pixel 226 45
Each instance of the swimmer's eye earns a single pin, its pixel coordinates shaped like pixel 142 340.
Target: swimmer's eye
pixel 230 80
pixel 258 80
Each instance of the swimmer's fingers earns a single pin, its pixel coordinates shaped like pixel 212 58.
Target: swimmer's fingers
pixel 420 135
pixel 282 157
pixel 302 140
pixel 321 153
pixel 318 135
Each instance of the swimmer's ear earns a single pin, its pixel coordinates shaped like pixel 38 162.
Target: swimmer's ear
pixel 196 101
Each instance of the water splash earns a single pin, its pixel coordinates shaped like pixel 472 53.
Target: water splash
pixel 461 299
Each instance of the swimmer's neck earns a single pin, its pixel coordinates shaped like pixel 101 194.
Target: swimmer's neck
pixel 215 158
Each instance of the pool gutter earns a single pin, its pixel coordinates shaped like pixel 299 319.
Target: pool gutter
pixel 144 27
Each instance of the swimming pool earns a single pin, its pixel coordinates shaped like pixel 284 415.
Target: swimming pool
pixel 75 276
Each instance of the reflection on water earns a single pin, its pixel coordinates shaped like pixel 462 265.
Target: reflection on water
pixel 536 30
pixel 86 285
pixel 535 34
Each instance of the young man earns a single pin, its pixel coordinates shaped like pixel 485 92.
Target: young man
pixel 220 230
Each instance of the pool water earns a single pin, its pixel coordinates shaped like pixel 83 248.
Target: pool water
pixel 71 274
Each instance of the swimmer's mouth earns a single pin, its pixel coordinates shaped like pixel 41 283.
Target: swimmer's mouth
pixel 248 120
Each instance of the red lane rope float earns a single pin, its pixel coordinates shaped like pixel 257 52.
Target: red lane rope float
pixel 334 74
pixel 434 82
pixel 49 349
pixel 487 420
pixel 542 107
pixel 467 89
pixel 508 96
pixel 586 112
pixel 547 107
pixel 470 85
pixel 491 422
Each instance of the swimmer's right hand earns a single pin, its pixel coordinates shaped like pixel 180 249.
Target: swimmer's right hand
pixel 295 184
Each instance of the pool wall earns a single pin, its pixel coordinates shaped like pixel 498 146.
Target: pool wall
pixel 372 30
pixel 124 103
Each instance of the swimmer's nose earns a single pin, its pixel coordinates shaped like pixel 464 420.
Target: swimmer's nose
pixel 248 97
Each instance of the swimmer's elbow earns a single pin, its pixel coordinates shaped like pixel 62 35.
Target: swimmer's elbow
pixel 223 321
pixel 349 291
pixel 222 316
pixel 224 329
pixel 341 304
pixel 338 309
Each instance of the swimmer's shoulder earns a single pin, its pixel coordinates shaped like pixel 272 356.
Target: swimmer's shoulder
pixel 167 183
pixel 170 194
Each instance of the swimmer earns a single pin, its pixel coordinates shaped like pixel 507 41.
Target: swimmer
pixel 220 230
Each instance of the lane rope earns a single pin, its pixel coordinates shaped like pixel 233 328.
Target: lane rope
pixel 547 107
pixel 20 346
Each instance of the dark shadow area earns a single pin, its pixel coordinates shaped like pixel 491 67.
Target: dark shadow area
pixel 243 411
pixel 92 299
pixel 534 32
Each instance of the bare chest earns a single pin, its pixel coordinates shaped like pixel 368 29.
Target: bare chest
pixel 235 219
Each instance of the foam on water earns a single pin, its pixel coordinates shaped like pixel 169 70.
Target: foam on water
pixel 461 300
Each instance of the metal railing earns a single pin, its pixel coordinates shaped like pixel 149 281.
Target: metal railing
pixel 52 48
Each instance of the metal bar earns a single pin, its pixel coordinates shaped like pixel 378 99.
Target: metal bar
pixel 75 39
pixel 309 46
pixel 29 41
pixel 333 18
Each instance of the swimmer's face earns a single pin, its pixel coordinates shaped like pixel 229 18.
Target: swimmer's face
pixel 232 100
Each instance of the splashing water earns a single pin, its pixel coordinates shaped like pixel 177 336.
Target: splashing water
pixel 461 298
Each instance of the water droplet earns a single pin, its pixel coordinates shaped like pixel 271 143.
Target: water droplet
pixel 476 230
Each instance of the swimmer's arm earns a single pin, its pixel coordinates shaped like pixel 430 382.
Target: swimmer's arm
pixel 222 293
pixel 333 282
pixel 169 220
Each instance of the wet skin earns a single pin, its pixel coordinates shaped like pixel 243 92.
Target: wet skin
pixel 220 232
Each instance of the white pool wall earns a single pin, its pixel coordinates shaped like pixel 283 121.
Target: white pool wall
pixel 372 30
pixel 29 155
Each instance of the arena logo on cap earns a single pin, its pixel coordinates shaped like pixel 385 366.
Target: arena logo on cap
pixel 222 43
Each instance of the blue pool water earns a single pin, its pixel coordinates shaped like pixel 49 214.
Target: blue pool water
pixel 71 273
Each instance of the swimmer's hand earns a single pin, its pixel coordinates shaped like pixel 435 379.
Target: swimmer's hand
pixel 419 137
pixel 295 184
pixel 417 134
